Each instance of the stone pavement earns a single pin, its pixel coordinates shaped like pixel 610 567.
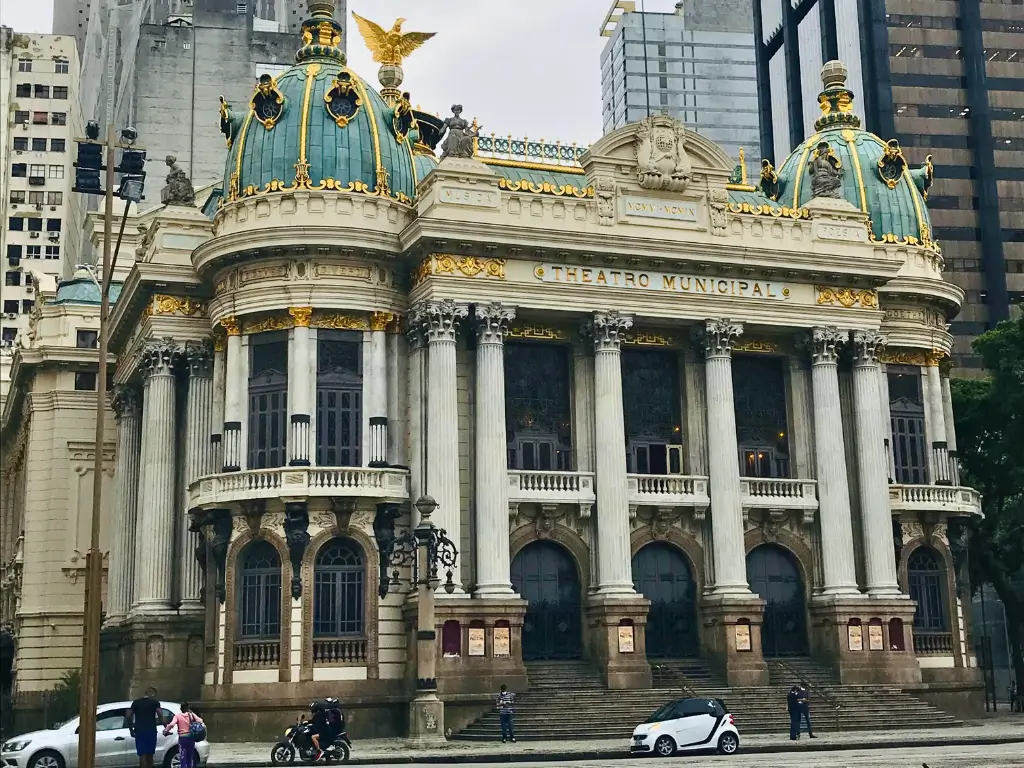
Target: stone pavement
pixel 1002 730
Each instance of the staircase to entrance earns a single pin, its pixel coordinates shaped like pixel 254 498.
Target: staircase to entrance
pixel 568 700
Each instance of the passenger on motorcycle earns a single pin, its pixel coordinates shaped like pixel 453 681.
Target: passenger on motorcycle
pixel 328 722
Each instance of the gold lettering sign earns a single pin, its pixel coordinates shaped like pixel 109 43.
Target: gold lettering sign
pixel 653 208
pixel 662 281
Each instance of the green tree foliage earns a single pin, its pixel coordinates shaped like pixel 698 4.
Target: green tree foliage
pixel 990 440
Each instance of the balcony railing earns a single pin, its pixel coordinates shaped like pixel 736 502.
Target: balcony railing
pixel 366 482
pixel 257 654
pixel 933 643
pixel 778 493
pixel 339 651
pixel 551 487
pixel 668 490
pixel 935 498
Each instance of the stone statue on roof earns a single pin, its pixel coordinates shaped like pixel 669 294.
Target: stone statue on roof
pixel 179 189
pixel 826 172
pixel 459 141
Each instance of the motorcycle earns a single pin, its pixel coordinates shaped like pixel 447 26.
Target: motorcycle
pixel 298 744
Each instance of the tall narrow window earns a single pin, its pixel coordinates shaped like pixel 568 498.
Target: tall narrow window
pixel 650 396
pixel 339 398
pixel 338 605
pixel 906 409
pixel 268 400
pixel 762 428
pixel 537 413
pixel 259 603
pixel 926 577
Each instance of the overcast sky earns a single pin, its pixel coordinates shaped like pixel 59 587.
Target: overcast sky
pixel 525 67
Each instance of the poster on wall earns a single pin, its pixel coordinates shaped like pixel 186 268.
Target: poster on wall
pixel 856 633
pixel 875 642
pixel 476 641
pixel 742 637
pixel 502 641
pixel 626 639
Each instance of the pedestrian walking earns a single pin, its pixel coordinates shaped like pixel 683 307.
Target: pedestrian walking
pixel 804 699
pixel 143 718
pixel 793 705
pixel 505 703
pixel 188 726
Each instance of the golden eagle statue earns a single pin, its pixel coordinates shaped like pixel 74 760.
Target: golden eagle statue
pixel 390 46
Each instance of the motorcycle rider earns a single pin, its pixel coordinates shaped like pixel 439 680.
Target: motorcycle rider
pixel 328 723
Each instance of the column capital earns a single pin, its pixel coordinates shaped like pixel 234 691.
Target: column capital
pixel 719 335
pixel 934 359
pixel 492 322
pixel 607 329
pixel 824 344
pixel 867 346
pixel 126 401
pixel 199 357
pixel 303 316
pixel 439 320
pixel 159 356
pixel 379 321
pixel 231 325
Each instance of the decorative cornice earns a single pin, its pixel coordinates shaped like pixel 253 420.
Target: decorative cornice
pixel 866 347
pixel 824 343
pixel 379 321
pixel 268 324
pixel 847 297
pixel 456 266
pixel 175 305
pixel 904 357
pixel 301 316
pixel 752 346
pixel 719 336
pixel 608 329
pixel 492 322
pixel 649 339
pixel 340 322
pixel 538 332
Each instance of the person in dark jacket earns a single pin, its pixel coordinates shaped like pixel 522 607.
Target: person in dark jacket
pixel 803 698
pixel 793 705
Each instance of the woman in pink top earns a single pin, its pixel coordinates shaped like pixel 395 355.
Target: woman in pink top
pixel 182 722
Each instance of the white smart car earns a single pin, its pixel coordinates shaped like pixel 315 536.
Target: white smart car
pixel 687 725
pixel 115 747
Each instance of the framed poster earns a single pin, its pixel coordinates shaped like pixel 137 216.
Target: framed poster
pixel 875 642
pixel 856 635
pixel 626 639
pixel 476 641
pixel 742 634
pixel 502 641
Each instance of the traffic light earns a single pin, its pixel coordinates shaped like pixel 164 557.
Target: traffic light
pixel 133 174
pixel 88 168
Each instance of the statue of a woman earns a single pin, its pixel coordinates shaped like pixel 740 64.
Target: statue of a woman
pixel 459 141
pixel 826 172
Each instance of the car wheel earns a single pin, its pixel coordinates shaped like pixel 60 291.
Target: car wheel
pixel 47 759
pixel 665 747
pixel 728 743
pixel 172 759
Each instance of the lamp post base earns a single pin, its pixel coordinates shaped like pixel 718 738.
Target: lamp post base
pixel 426 722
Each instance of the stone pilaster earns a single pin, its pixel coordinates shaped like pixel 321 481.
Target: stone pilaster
pixel 614 569
pixel 126 402
pixel 198 462
pixel 833 491
pixel 397 425
pixel 947 412
pixel 300 368
pixel 440 322
pixel 234 396
pixel 883 395
pixel 723 460
pixel 417 413
pixel 140 493
pixel 873 480
pixel 219 384
pixel 155 531
pixel 375 389
pixel 492 536
pixel 936 421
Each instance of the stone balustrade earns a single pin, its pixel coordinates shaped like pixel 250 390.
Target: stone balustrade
pixel 668 490
pixel 384 483
pixel 933 643
pixel 339 651
pixel 778 493
pixel 257 654
pixel 956 500
pixel 551 487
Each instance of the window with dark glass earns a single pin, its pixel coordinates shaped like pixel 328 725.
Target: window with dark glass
pixel 53 225
pixel 12 278
pixel 57 145
pixel 906 411
pixel 16 224
pixel 23 90
pixel 268 400
pixel 35 225
pixel 24 65
pixel 651 400
pixel 41 92
pixel 60 91
pixel 19 170
pixel 38 145
pixel 60 118
pixel 259 593
pixel 35 198
pixel 538 419
pixel 11 306
pixel 338 602
pixel 339 398
pixel 86 339
pixel 27 305
pixel 13 251
pixel 32 251
pixel 17 196
pixel 85 381
pixel 926 577
pixel 21 117
pixel 762 425
pixel 8 335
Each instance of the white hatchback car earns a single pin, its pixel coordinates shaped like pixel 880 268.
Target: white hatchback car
pixel 115 747
pixel 687 725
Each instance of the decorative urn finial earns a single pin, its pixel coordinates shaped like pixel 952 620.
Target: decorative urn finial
pixel 321 34
pixel 836 100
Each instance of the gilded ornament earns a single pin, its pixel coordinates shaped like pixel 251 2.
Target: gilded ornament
pixel 763 347
pixel 379 321
pixel 231 326
pixel 648 339
pixel 909 357
pixel 934 358
pixel 340 322
pixel 342 99
pixel 301 316
pixel 538 332
pixel 219 343
pixel 391 46
pixel 783 212
pixel 847 297
pixel 468 266
pixel 769 181
pixel 546 188
pixel 177 305
pixel 267 324
pixel 267 102
pixel 892 164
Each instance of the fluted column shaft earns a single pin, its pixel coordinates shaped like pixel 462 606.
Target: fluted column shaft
pixel 219 384
pixel 121 568
pixel 440 320
pixel 492 535
pixel 234 394
pixel 375 392
pixel 396 395
pixel 155 533
pixel 936 423
pixel 947 412
pixel 615 575
pixel 833 481
pixel 140 492
pixel 417 413
pixel 723 460
pixel 872 468
pixel 883 396
pixel 198 462
pixel 300 368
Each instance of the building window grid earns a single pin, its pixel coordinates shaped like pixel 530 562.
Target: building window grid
pixel 339 606
pixel 339 392
pixel 259 603
pixel 268 401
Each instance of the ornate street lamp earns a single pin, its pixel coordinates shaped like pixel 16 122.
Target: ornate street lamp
pixel 427 550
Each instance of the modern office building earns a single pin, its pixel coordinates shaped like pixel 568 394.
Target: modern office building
pixel 946 79
pixel 41 226
pixel 696 64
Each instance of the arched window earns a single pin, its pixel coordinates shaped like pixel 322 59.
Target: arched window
pixel 339 584
pixel 259 597
pixel 926 576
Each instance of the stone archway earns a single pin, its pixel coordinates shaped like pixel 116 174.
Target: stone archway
pixel 663 574
pixel 545 575
pixel 773 573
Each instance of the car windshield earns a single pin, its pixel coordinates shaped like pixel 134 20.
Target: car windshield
pixel 662 713
pixel 61 724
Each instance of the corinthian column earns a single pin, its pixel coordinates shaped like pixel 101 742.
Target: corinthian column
pixel 234 392
pixel 300 368
pixel 219 383
pixel 614 571
pixel 417 415
pixel 375 395
pixel 155 531
pixel 492 544
pixel 723 460
pixel 833 484
pixel 126 403
pixel 440 320
pixel 936 421
pixel 198 462
pixel 872 467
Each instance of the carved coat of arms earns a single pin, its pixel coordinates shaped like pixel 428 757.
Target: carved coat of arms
pixel 662 162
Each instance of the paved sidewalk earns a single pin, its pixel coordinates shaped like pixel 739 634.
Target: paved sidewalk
pixel 394 752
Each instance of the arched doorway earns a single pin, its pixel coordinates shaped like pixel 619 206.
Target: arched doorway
pixel 544 575
pixel 773 574
pixel 662 574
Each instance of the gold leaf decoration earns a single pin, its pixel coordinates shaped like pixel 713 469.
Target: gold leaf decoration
pixel 177 305
pixel 847 297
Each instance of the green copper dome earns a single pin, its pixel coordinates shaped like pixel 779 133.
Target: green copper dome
pixel 318 125
pixel 842 160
